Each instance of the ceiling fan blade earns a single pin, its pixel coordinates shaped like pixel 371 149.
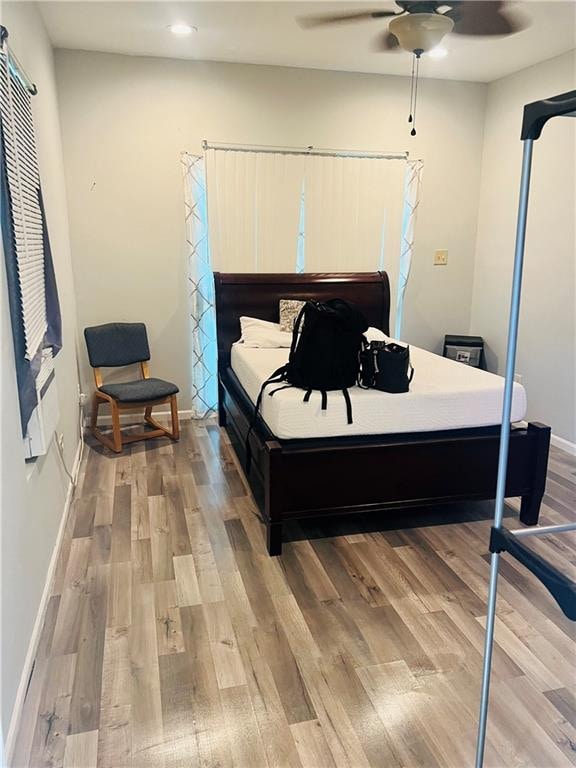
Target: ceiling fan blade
pixel 484 18
pixel 387 43
pixel 308 22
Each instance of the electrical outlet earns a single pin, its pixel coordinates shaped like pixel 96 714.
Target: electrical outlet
pixel 440 258
pixel 82 398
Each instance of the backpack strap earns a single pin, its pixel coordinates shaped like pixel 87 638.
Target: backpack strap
pixel 279 389
pixel 278 376
pixel 307 396
pixel 348 405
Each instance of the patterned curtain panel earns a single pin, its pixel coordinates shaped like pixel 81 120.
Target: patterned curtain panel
pixel 201 289
pixel 412 184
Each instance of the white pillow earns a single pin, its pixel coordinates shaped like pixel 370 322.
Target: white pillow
pixel 261 333
pixel 375 334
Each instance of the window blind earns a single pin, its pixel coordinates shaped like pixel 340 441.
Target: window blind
pixel 30 276
pixel 23 180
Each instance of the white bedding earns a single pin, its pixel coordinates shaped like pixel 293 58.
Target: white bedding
pixel 444 394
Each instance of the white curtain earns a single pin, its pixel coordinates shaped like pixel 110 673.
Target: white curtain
pixel 254 210
pixel 354 215
pixel 353 212
pixel 284 212
pixel 251 211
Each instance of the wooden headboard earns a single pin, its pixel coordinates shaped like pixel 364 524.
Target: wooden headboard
pixel 258 295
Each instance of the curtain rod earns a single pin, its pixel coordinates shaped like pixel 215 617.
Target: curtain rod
pixel 14 64
pixel 305 151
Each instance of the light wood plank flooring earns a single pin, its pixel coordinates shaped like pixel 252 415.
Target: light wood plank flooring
pixel 172 639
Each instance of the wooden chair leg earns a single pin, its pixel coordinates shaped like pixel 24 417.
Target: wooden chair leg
pixel 104 439
pixel 95 406
pixel 175 422
pixel 117 435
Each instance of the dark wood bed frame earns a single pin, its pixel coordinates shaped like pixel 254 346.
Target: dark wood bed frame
pixel 329 476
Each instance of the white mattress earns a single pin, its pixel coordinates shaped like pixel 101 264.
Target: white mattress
pixel 443 394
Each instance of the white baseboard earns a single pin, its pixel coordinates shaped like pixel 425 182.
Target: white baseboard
pixel 134 417
pixel 564 445
pixel 40 616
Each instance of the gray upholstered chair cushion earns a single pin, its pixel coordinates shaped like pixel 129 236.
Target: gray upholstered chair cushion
pixel 115 344
pixel 140 390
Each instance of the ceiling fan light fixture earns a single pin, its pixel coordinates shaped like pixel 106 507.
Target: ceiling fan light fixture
pixel 420 32
pixel 438 53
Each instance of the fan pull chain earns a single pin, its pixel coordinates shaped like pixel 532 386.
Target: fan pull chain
pixel 414 104
pixel 412 89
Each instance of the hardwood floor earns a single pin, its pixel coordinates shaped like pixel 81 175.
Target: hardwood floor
pixel 172 639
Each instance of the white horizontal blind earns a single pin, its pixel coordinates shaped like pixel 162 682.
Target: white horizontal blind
pixel 24 186
pixel 46 368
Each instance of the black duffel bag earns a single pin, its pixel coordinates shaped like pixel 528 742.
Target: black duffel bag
pixel 385 366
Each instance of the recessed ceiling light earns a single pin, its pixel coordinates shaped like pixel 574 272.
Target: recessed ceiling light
pixel 438 53
pixel 182 29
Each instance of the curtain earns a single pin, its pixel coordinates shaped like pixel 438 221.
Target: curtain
pixel 200 289
pixel 254 210
pixel 266 211
pixel 412 183
pixel 354 215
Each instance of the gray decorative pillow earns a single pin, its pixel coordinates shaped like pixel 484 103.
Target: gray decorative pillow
pixel 289 309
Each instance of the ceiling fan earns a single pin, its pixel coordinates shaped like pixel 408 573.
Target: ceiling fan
pixel 420 25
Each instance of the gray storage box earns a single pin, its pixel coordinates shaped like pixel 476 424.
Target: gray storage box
pixel 465 349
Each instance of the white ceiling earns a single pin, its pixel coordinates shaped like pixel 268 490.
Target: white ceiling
pixel 267 33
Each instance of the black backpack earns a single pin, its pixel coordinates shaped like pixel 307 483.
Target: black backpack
pixel 324 355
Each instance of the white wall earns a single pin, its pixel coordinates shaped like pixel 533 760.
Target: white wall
pixel 547 342
pixel 125 121
pixel 33 494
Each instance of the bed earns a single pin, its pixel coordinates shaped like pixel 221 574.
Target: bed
pixel 437 444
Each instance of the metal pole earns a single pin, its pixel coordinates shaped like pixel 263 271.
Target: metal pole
pixel 315 151
pixel 504 442
pixel 543 530
pixel 14 65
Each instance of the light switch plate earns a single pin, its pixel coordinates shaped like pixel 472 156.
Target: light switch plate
pixel 440 258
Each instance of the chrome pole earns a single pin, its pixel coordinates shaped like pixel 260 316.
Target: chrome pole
pixel 310 150
pixel 504 442
pixel 543 530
